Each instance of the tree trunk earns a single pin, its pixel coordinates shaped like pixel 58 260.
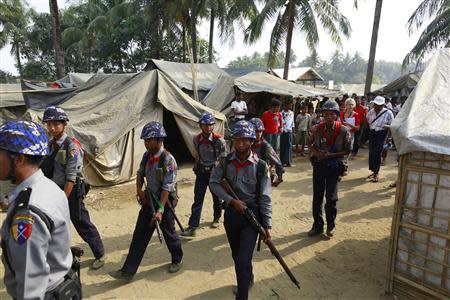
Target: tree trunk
pixel 211 36
pixel 19 63
pixel 373 47
pixel 60 72
pixel 194 29
pixel 291 7
pixel 183 27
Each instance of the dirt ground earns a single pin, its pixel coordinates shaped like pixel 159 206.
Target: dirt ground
pixel 351 265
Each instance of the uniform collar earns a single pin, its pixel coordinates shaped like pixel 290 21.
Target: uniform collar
pixel 61 139
pixel 210 137
pixel 253 158
pixel 160 151
pixel 36 177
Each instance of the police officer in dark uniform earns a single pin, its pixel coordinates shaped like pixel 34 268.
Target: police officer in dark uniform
pixel 64 166
pixel 329 143
pixel 249 177
pixel 210 148
pixel 159 169
pixel 36 232
pixel 265 151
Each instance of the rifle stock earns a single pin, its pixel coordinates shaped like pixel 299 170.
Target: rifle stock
pixel 251 218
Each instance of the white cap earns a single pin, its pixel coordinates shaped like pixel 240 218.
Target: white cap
pixel 378 100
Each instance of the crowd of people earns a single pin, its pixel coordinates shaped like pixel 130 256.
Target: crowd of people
pixel 50 187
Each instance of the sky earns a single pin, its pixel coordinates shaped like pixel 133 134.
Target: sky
pixel 394 42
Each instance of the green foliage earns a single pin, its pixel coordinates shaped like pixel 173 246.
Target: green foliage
pixel 352 68
pixel 6 77
pixel 435 35
pixel 339 67
pixel 259 60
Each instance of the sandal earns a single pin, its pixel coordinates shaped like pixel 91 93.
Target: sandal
pixel 375 179
pixel 371 176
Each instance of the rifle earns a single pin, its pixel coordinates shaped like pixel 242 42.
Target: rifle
pixel 169 205
pixel 152 208
pixel 251 218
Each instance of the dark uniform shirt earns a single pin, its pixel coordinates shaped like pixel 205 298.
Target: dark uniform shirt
pixel 209 149
pixel 270 156
pixel 68 161
pixel 158 179
pixel 342 141
pixel 243 180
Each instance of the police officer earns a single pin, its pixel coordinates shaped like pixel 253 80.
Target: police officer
pixel 159 169
pixel 36 232
pixel 265 151
pixel 64 166
pixel 329 143
pixel 249 177
pixel 210 148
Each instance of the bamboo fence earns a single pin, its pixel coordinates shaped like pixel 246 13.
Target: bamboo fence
pixel 419 260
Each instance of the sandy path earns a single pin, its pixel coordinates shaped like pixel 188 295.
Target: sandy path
pixel 350 265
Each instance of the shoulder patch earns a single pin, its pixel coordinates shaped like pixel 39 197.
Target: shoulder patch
pixel 21 228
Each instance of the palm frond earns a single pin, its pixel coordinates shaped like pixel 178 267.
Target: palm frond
pixel 306 23
pixel 278 37
pixel 253 32
pixel 426 9
pixel 437 34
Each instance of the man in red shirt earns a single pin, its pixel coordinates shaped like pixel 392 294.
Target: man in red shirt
pixel 361 110
pixel 273 123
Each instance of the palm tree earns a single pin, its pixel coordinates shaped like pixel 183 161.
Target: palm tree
pixel 194 9
pixel 176 15
pixel 14 20
pixel 54 12
pixel 373 46
pixel 302 15
pixel 435 35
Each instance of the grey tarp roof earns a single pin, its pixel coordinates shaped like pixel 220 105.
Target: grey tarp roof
pixel 423 123
pixel 74 79
pixel 238 72
pixel 108 113
pixel 256 82
pixel 41 97
pixel 9 96
pixel 405 81
pixel 181 73
pixel 12 104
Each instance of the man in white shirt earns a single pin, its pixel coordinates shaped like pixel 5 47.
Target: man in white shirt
pixel 379 119
pixel 286 135
pixel 239 108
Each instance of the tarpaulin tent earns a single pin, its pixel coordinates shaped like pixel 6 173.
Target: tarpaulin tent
pixel 257 83
pixel 38 96
pixel 181 74
pixel 74 79
pixel 107 115
pixel 12 104
pixel 402 85
pixel 419 254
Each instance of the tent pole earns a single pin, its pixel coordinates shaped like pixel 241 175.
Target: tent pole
pixel 193 70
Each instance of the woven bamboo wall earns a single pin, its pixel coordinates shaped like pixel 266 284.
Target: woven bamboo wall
pixel 419 260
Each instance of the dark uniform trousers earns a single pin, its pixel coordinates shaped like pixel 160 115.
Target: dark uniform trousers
pixel 325 182
pixel 142 234
pixel 376 143
pixel 83 225
pixel 201 184
pixel 242 239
